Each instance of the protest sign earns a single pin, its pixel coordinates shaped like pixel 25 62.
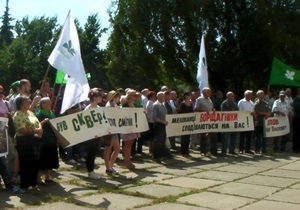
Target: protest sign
pixel 203 122
pixel 79 127
pixel 276 126
pixel 3 137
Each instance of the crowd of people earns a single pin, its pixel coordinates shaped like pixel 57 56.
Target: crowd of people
pixel 34 150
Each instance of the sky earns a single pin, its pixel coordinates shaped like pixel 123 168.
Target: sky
pixel 81 9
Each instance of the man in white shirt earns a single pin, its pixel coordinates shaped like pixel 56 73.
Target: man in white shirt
pixel 246 104
pixel 281 107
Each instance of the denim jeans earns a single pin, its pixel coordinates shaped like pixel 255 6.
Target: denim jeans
pixel 4 173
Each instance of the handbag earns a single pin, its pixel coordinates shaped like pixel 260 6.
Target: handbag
pixel 10 123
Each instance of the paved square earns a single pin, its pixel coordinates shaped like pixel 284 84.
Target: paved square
pixel 215 200
pixel 247 190
pixel 188 182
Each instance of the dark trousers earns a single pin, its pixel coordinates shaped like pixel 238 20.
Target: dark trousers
pixel 245 141
pixel 260 140
pixel 228 141
pixel 283 140
pixel 185 142
pixel 159 142
pixel 4 173
pixel 28 171
pixel 296 135
pixel 91 147
pixel 208 143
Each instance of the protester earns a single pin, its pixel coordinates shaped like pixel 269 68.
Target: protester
pixel 91 146
pixel 149 111
pixel 49 154
pixel 229 138
pixel 208 141
pixel 128 139
pixel 144 93
pixel 296 123
pixel 246 104
pixel 28 132
pixel 170 110
pixel 262 112
pixel 281 107
pixel 185 107
pixel 112 150
pixel 159 117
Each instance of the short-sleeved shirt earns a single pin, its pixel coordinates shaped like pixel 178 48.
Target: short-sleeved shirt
pixel 3 107
pixel 281 106
pixel 245 105
pixel 204 104
pixel 21 120
pixel 229 106
pixel 261 106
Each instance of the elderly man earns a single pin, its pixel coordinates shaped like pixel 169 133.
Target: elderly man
pixel 246 104
pixel 262 111
pixel 281 107
pixel 229 138
pixel 159 118
pixel 204 104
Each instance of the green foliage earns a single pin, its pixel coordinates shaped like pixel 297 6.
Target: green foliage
pixel 6 34
pixel 157 42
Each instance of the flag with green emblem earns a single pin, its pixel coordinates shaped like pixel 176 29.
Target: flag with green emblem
pixel 281 74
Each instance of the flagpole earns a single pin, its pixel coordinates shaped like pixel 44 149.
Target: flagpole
pixel 44 80
pixel 59 91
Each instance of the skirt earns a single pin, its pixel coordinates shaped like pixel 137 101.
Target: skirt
pixel 48 157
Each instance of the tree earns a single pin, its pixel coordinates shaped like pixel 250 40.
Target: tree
pixel 157 42
pixel 6 34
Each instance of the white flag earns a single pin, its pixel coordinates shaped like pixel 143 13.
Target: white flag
pixel 202 75
pixel 66 57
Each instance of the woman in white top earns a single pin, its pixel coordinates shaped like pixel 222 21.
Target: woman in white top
pixel 112 151
pixel 95 95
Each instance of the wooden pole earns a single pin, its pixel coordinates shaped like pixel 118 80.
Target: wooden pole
pixel 45 77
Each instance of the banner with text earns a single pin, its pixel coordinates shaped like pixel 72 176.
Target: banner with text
pixel 3 137
pixel 203 122
pixel 276 126
pixel 79 127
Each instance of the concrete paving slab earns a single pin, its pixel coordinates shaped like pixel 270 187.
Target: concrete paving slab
pixel 241 169
pixel 147 176
pixel 247 190
pixel 286 195
pixel 188 182
pixel 174 170
pixel 173 206
pixel 291 166
pixel 157 190
pixel 282 173
pixel 219 175
pixel 113 201
pixel 216 200
pixel 264 163
pixel 269 181
pixel 209 165
pixel 270 205
pixel 59 205
pixel 296 186
pixel 68 190
pixel 19 201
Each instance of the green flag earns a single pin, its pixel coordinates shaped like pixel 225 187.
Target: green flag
pixel 60 77
pixel 282 74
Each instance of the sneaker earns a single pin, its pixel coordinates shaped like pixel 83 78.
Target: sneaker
pixel 112 171
pixel 72 161
pixel 17 190
pixel 93 175
pixel 208 154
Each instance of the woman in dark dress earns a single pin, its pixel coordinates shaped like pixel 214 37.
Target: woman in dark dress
pixel 185 107
pixel 49 154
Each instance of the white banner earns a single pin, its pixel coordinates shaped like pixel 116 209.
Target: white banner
pixel 203 122
pixel 276 126
pixel 3 137
pixel 79 127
